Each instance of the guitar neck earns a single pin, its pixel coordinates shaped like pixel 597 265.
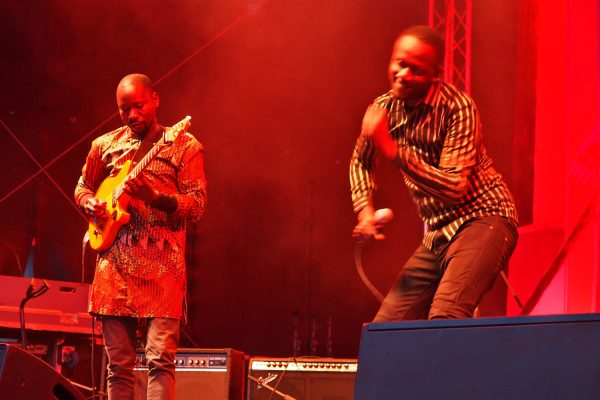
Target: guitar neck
pixel 146 160
pixel 140 166
pixel 173 133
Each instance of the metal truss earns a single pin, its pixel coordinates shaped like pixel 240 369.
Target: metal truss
pixel 452 18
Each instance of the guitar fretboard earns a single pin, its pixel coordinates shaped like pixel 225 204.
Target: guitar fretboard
pixel 172 133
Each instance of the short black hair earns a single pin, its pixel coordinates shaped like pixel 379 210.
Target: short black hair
pixel 428 35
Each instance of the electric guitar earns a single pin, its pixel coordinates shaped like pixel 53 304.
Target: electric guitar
pixel 103 230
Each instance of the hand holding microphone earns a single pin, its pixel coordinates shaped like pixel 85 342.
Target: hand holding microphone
pixel 370 223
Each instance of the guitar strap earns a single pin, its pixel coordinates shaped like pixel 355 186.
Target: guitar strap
pixel 147 143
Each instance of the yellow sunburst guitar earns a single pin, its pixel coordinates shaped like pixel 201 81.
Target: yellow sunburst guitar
pixel 102 231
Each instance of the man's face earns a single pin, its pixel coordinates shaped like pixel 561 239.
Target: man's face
pixel 137 106
pixel 413 67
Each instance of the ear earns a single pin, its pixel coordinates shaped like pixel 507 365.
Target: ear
pixel 156 99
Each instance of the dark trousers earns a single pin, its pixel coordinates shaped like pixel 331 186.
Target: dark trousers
pixel 450 280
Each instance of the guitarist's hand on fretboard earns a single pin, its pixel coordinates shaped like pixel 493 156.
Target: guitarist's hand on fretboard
pixel 140 189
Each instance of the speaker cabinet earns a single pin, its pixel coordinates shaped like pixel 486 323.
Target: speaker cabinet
pixel 541 357
pixel 24 376
pixel 301 378
pixel 202 374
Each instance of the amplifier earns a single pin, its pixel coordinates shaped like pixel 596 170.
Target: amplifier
pixel 301 378
pixel 203 374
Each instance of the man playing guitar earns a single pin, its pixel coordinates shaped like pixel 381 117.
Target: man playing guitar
pixel 140 269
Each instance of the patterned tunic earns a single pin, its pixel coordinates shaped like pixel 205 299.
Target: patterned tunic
pixel 142 274
pixel 445 166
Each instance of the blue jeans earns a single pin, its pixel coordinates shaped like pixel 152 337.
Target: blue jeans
pixel 120 341
pixel 450 280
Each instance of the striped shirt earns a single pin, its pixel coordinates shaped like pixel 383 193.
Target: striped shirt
pixel 443 161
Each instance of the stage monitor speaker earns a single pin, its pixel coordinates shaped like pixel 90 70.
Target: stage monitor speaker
pixel 24 376
pixel 301 378
pixel 541 357
pixel 202 374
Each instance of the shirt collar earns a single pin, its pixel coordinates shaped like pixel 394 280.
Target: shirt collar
pixel 430 98
pixel 434 93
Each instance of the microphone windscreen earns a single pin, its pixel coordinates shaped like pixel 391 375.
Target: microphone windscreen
pixel 383 216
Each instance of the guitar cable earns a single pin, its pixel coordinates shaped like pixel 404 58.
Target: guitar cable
pixel 84 242
pixel 94 389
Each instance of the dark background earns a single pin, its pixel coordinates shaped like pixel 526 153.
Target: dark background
pixel 276 90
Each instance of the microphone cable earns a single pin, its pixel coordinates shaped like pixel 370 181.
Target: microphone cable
pixel 361 272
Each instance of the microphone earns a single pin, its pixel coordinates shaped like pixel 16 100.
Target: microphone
pixel 383 216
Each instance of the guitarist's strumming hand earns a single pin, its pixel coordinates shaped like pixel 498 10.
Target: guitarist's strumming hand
pixel 94 207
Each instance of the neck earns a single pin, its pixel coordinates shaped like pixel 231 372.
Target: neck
pixel 409 104
pixel 153 131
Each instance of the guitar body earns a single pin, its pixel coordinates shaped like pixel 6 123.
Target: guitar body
pixel 103 230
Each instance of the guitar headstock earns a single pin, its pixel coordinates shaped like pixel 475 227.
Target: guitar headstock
pixel 172 133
